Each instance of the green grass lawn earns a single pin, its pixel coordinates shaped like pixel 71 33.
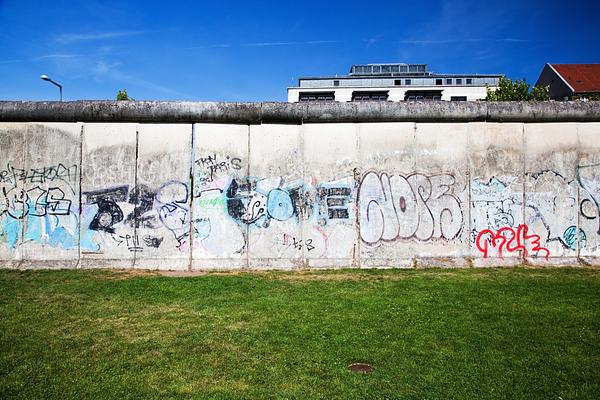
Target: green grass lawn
pixel 436 334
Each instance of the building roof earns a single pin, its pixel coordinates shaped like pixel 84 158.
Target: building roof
pixel 583 78
pixel 430 75
pixel 394 70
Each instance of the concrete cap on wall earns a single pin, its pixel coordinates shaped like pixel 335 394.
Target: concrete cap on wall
pixel 297 113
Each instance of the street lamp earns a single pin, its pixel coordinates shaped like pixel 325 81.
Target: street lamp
pixel 46 78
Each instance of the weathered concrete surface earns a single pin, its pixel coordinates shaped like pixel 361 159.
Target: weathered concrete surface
pixel 52 162
pixel 330 226
pixel 268 201
pixel 108 179
pixel 12 204
pixel 386 150
pixel 162 194
pixel 588 179
pixel 297 113
pixel 551 189
pixel 441 188
pixel 377 186
pixel 221 157
pixel 496 196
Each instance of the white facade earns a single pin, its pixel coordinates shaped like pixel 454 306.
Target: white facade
pixel 393 82
pixel 344 94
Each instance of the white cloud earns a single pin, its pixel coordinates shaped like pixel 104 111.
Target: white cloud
pixel 262 44
pixel 438 41
pixel 54 56
pixel 83 37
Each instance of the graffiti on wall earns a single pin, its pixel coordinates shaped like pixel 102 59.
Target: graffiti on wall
pixel 539 214
pixel 39 205
pixel 549 209
pixel 510 240
pixel 415 206
pixel 12 175
pixel 243 206
pixel 259 201
pixel 210 166
pixel 136 218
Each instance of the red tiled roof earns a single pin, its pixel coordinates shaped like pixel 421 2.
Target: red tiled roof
pixel 583 78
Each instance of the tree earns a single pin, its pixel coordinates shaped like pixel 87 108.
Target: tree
pixel 517 90
pixel 540 93
pixel 122 96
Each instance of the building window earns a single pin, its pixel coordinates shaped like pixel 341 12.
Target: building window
pixel 397 82
pixel 317 96
pixel 459 81
pixel 438 82
pixel 422 95
pixel 469 81
pixel 407 81
pixel 448 81
pixel 336 83
pixel 458 98
pixel 369 96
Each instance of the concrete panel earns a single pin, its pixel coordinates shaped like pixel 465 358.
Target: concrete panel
pixel 440 184
pixel 12 193
pixel 107 195
pixel 270 201
pixel 551 193
pixel 51 219
pixel 331 170
pixel 378 185
pixel 387 207
pixel 220 167
pixel 588 178
pixel 162 196
pixel 496 192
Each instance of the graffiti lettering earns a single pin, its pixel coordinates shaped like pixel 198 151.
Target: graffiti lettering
pixel 131 241
pixel 297 244
pixel 249 202
pixel 36 202
pixel 413 206
pixel 498 203
pixel 143 199
pixel 509 240
pixel 12 175
pixel 213 165
pixel 335 199
pixel 570 237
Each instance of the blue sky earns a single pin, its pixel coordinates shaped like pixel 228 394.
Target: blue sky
pixel 252 51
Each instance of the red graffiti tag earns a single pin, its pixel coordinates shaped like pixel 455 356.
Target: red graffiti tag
pixel 507 239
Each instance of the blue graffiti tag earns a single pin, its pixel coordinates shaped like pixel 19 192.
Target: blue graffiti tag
pixel 570 237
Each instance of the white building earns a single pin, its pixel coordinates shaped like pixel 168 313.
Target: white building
pixel 393 82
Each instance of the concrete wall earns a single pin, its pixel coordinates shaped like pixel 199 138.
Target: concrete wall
pixel 448 188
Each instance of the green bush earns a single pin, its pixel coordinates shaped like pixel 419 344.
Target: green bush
pixel 122 95
pixel 518 90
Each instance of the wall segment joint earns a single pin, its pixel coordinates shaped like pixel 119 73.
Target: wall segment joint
pixel 315 194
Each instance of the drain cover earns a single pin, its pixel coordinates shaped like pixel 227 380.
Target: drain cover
pixel 360 367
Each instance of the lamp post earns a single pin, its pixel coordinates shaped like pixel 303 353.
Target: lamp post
pixel 46 78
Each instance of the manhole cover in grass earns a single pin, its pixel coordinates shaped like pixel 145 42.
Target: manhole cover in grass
pixel 360 367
